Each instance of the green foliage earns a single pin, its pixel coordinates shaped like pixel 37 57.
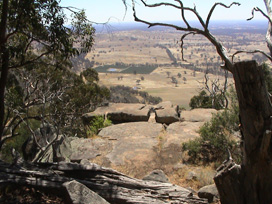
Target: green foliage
pixel 17 142
pixel 125 94
pixel 216 137
pixel 97 124
pixel 203 100
pixel 35 60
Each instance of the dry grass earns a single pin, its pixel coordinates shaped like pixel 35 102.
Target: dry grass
pixel 158 84
pixel 203 176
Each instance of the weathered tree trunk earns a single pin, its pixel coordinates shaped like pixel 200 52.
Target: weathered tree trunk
pixel 4 55
pixel 250 182
pixel 113 186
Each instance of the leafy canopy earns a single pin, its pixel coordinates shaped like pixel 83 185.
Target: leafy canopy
pixel 36 81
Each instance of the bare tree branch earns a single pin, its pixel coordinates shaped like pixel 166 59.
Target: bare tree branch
pixel 182 14
pixel 213 8
pixel 252 52
pixel 268 16
pixel 182 43
pixel 30 61
pixel 221 50
pixel 261 11
pixel 181 7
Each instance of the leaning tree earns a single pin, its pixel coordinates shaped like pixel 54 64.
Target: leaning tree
pixel 251 181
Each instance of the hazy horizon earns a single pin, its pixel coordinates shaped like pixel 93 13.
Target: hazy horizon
pixel 255 25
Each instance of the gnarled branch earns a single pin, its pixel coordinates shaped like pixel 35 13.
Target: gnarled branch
pixel 252 52
pixel 205 31
pixel 213 8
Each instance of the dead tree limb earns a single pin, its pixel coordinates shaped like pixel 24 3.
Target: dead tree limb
pixel 221 50
pixel 268 16
pixel 113 186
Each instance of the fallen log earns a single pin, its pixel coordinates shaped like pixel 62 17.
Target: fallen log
pixel 113 186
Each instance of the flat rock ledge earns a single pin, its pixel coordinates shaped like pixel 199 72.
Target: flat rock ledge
pixel 165 113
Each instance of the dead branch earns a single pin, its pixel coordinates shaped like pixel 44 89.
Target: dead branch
pixel 213 8
pixel 268 16
pixel 188 28
pixel 182 43
pixel 252 52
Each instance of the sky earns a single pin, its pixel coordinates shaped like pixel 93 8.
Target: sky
pixel 101 11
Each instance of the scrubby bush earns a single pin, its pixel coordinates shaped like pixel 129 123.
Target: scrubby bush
pixel 97 124
pixel 203 100
pixel 217 137
pixel 125 94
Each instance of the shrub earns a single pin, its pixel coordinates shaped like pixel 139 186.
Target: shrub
pixel 216 137
pixel 125 94
pixel 202 100
pixel 97 124
pixel 18 141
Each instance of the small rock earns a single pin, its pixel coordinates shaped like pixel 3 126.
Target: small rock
pixel 157 175
pixel 178 166
pixel 85 162
pixel 78 193
pixel 191 176
pixel 210 192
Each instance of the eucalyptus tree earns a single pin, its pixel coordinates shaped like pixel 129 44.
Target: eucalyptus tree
pixel 34 43
pixel 250 181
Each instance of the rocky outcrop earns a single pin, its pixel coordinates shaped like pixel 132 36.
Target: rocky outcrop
pixel 165 113
pixel 120 113
pixel 198 115
pixel 191 121
pixel 136 148
pixel 167 116
pixel 127 144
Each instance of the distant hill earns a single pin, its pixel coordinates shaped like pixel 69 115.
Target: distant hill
pixel 217 27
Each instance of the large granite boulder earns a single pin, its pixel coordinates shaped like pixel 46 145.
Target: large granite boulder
pixel 127 146
pixel 180 132
pixel 133 142
pixel 89 149
pixel 136 148
pixel 198 115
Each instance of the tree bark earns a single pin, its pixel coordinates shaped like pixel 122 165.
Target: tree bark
pixel 4 65
pixel 113 186
pixel 250 182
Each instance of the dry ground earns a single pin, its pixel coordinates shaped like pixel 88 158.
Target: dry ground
pixel 140 47
pixel 158 84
